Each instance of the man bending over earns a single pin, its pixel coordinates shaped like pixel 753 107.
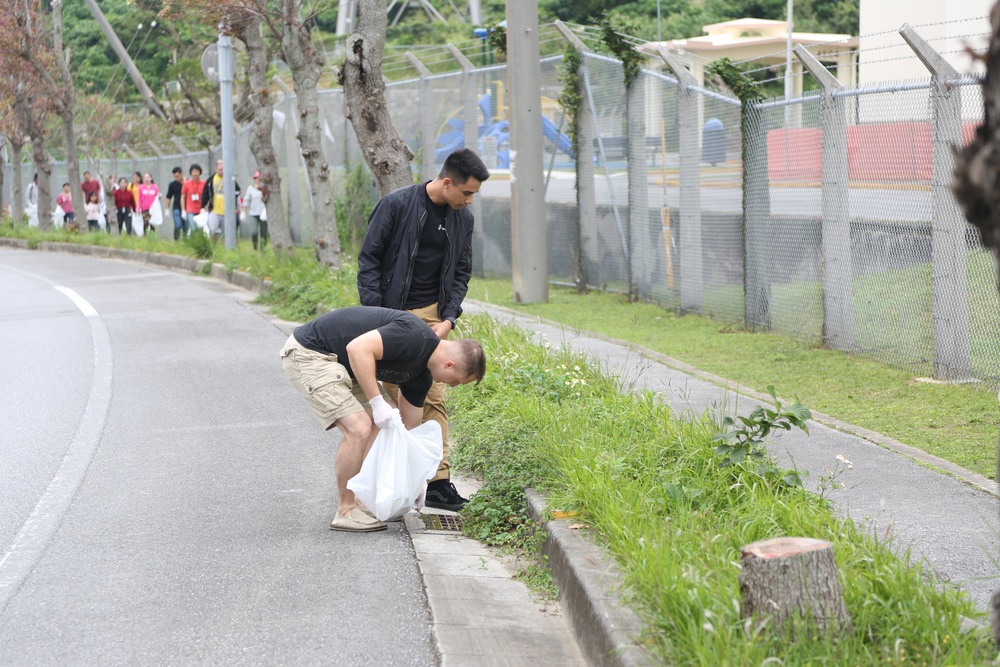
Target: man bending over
pixel 336 362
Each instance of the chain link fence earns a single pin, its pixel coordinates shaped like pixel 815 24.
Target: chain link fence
pixel 840 229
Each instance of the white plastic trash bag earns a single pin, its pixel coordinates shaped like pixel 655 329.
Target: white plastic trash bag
pixel 32 213
pixel 394 475
pixel 156 215
pixel 201 219
pixel 137 224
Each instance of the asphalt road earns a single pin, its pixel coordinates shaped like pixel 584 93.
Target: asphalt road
pixel 164 492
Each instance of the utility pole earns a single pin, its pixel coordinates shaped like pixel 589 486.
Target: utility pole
pixel 126 60
pixel 529 251
pixel 228 140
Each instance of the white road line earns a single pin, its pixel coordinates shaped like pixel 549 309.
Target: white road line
pixel 78 301
pixel 34 536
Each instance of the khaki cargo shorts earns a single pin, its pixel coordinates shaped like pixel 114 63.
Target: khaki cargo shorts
pixel 323 382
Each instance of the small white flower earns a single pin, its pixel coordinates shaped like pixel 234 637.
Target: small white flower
pixel 842 459
pixel 707 627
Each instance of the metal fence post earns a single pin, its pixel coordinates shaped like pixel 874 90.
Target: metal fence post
pixel 640 269
pixel 692 275
pixel 587 246
pixel 427 116
pixel 838 291
pixel 470 126
pixel 756 220
pixel 948 249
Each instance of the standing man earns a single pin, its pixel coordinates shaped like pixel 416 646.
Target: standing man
pixel 214 200
pixel 417 256
pixel 31 202
pixel 336 361
pixel 89 185
pixel 191 193
pixel 174 201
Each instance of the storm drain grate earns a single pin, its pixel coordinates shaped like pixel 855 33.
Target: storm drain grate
pixel 452 522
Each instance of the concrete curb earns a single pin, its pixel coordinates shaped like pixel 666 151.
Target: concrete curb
pixel 608 632
pixel 936 462
pixel 240 279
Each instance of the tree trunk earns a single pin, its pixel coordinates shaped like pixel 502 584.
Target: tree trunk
pixel 386 153
pixel 977 186
pixel 793 578
pixel 17 205
pixel 306 63
pixel 261 144
pixel 65 99
pixel 2 142
pixel 43 166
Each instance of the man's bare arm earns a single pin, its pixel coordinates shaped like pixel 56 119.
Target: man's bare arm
pixel 411 415
pixel 363 352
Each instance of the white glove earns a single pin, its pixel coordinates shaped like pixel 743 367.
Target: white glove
pixel 382 414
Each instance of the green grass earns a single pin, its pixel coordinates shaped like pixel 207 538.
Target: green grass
pixel 651 488
pixel 893 311
pixel 959 423
pixel 301 287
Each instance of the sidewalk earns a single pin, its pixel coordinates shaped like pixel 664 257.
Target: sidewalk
pixel 951 522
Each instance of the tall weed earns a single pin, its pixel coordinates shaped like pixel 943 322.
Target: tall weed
pixel 674 512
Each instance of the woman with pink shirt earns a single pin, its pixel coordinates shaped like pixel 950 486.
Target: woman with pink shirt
pixel 148 192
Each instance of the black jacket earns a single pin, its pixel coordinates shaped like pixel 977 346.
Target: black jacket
pixel 385 263
pixel 208 196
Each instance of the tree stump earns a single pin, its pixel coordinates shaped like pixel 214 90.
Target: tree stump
pixel 793 577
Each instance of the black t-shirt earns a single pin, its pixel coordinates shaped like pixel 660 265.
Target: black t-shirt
pixel 425 283
pixel 407 344
pixel 174 193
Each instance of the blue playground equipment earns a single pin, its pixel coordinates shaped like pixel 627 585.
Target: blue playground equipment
pixel 453 136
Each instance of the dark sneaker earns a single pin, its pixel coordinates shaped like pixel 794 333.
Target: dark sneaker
pixel 442 495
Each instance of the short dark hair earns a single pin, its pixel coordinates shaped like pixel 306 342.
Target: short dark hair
pixel 471 358
pixel 462 164
pixel 66 183
pixel 195 166
pixel 176 170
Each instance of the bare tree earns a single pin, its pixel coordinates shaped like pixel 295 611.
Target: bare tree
pixel 261 145
pixel 31 115
pixel 307 63
pixel 386 153
pixel 16 142
pixel 34 51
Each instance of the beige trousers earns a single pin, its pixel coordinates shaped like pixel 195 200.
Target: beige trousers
pixel 434 407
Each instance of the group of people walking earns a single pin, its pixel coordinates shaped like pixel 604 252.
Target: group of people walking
pixel 192 202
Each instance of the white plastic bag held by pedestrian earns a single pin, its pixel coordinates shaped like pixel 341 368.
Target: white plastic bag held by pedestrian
pixel 156 215
pixel 201 219
pixel 394 476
